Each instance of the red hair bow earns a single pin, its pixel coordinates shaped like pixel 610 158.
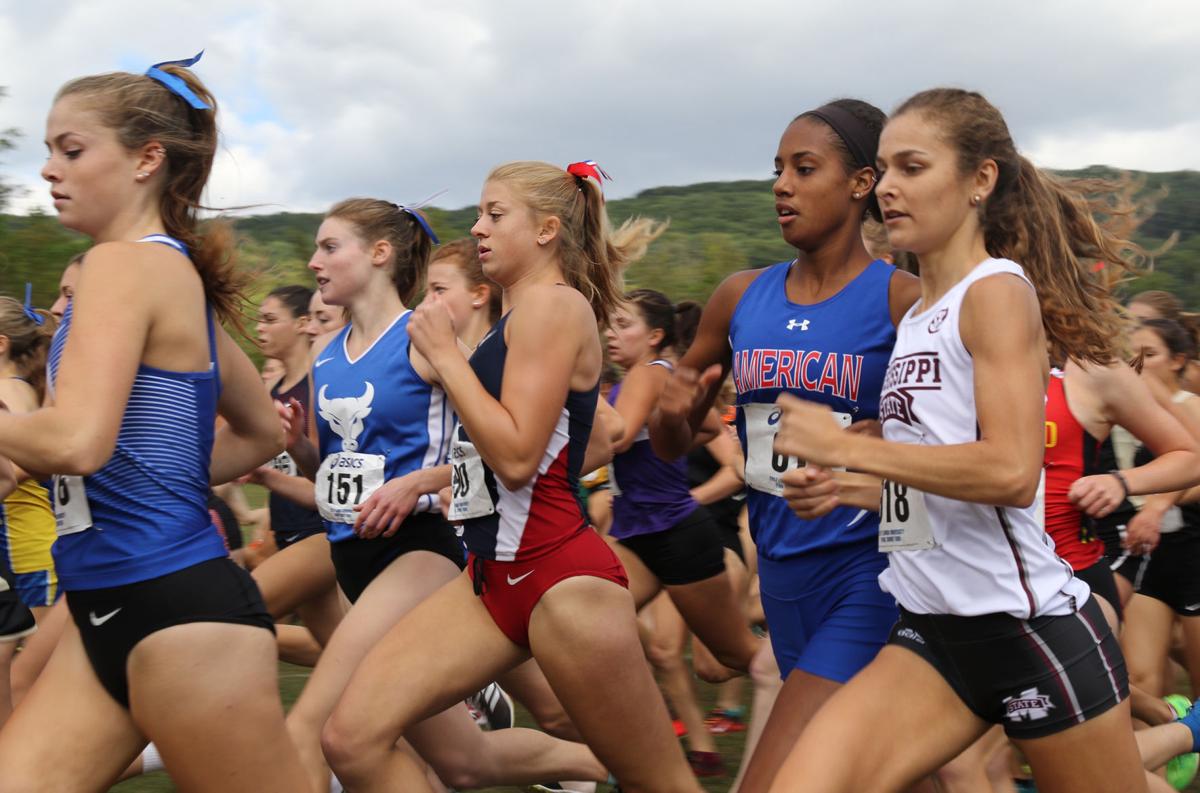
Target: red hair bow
pixel 588 169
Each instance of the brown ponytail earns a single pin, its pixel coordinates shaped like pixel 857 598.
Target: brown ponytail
pixel 29 342
pixel 376 220
pixel 142 110
pixel 1045 224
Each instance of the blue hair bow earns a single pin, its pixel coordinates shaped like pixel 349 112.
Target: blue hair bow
pixel 34 317
pixel 175 84
pixel 422 221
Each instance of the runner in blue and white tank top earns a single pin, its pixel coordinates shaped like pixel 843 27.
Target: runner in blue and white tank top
pixel 168 632
pixel 383 428
pixel 822 326
pixel 994 628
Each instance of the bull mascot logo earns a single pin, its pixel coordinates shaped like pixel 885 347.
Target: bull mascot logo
pixel 345 415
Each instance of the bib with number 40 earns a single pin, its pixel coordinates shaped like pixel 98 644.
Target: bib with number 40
pixel 71 511
pixel 469 496
pixel 345 480
pixel 764 467
pixel 904 523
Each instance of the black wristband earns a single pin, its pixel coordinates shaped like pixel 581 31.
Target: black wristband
pixel 1121 478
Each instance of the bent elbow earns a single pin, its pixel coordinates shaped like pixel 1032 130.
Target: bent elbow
pixel 515 475
pixel 1021 489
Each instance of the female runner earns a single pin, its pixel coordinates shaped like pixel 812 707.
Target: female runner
pixel 822 326
pixel 1165 581
pixel 168 634
pixel 383 434
pixel 994 627
pixel 541 582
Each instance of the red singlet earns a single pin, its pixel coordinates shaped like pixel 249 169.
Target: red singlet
pixel 1069 449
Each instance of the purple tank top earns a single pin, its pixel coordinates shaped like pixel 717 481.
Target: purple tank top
pixel 650 494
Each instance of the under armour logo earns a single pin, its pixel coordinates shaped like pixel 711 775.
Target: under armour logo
pixel 793 324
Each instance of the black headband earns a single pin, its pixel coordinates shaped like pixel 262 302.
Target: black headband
pixel 851 130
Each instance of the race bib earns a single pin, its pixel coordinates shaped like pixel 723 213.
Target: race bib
pixel 764 467
pixel 345 480
pixel 469 496
pixel 284 464
pixel 904 523
pixel 71 511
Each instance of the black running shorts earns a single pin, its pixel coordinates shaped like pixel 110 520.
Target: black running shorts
pixel 113 620
pixel 1037 677
pixel 692 550
pixel 358 561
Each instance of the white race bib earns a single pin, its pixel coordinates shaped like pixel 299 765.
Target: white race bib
pixel 345 480
pixel 71 511
pixel 764 467
pixel 904 523
pixel 284 464
pixel 469 496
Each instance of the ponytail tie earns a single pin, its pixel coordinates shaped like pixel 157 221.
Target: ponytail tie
pixel 588 169
pixel 33 316
pixel 176 85
pixel 424 224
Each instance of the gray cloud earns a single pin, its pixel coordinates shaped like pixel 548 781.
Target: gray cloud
pixel 325 100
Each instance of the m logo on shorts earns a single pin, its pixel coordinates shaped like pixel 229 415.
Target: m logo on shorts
pixel 1029 706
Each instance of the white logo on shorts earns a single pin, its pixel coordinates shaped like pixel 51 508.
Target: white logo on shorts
pixel 1029 706
pixel 98 621
pixel 514 581
pixel 911 635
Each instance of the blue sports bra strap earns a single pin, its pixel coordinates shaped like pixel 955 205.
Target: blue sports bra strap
pixel 167 240
pixel 664 363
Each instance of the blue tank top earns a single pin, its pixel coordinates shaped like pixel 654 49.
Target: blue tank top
pixel 376 420
pixel 834 352
pixel 649 494
pixel 148 504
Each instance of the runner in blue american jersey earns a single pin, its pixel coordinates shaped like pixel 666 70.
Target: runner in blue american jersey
pixel 822 327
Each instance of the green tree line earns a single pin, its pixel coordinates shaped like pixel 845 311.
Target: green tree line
pixel 715 229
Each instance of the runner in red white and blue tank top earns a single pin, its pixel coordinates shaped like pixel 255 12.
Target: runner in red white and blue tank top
pixel 821 326
pixel 540 581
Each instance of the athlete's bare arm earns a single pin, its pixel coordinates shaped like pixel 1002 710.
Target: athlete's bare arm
pixel 546 337
pixel 690 392
pixel 1124 399
pixel 1004 466
pixel 111 325
pixel 252 433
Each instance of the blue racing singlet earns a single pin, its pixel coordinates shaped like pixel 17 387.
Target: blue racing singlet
pixel 834 352
pixel 144 514
pixel 376 420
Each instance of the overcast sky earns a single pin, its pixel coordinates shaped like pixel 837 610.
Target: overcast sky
pixel 322 101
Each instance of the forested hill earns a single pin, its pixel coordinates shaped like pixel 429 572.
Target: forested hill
pixel 716 228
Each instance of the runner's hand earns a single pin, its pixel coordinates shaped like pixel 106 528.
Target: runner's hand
pixel 1096 495
pixel 809 431
pixel 431 330
pixel 1143 532
pixel 811 491
pixel 388 507
pixel 683 391
pixel 292 416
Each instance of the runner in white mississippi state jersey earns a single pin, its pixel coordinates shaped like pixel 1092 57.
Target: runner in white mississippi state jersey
pixel 940 546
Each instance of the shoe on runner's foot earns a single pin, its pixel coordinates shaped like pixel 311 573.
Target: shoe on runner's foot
pixel 492 708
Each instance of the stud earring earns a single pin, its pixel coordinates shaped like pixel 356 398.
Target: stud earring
pixel 858 195
pixel 477 304
pixel 975 200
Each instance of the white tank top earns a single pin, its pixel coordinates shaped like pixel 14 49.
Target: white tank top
pixel 949 556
